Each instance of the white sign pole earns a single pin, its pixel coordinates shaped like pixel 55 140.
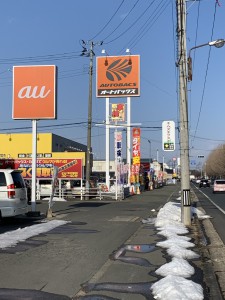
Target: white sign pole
pixel 107 179
pixel 34 164
pixel 128 138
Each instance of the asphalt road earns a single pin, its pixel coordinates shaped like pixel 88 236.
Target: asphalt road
pixel 61 260
pixel 214 205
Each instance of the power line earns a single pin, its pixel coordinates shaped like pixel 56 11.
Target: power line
pixel 196 36
pixel 206 74
pixel 137 20
pixel 109 20
pixel 122 20
pixel 39 58
pixel 149 23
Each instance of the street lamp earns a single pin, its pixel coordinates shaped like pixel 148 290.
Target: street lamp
pixel 217 43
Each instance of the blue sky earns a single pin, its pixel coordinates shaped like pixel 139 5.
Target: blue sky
pixel 50 32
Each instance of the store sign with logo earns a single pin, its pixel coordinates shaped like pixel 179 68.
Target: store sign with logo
pixel 34 92
pixel 168 135
pixel 118 76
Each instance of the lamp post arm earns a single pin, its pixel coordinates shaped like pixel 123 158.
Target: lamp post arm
pixel 199 46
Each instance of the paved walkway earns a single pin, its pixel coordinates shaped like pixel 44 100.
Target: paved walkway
pixel 129 274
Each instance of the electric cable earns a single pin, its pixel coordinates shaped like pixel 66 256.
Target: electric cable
pixel 206 74
pixel 137 20
pixel 40 58
pixel 145 28
pixel 121 21
pixel 193 61
pixel 109 20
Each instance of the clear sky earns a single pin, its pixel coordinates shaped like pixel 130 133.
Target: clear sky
pixel 50 32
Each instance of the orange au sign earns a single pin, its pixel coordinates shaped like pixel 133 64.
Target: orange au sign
pixel 118 76
pixel 34 92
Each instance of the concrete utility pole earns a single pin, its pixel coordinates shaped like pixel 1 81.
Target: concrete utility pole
pixel 183 101
pixel 89 53
pixel 88 155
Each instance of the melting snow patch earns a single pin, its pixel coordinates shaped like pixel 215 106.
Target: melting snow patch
pixel 174 285
pixel 55 199
pixel 175 240
pixel 177 267
pixel 199 213
pixel 177 288
pixel 181 252
pixel 11 238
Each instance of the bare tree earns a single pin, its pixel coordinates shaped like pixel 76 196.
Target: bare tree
pixel 215 164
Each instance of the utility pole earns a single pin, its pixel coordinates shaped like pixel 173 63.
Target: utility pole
pixel 88 155
pixel 89 53
pixel 183 103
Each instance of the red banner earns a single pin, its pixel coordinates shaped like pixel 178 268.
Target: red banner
pixel 118 112
pixel 136 150
pixel 68 168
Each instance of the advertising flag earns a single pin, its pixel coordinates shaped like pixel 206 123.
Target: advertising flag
pixel 136 150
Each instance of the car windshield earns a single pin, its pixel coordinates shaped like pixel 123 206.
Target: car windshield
pixel 220 181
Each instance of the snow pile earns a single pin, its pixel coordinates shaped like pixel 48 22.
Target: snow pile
pixel 11 238
pixel 177 267
pixel 175 284
pixel 54 199
pixel 177 288
pixel 200 213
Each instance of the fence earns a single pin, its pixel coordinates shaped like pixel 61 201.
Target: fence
pixel 84 194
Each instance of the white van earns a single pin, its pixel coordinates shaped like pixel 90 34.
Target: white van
pixel 13 193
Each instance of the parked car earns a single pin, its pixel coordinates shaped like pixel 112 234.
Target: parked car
pixel 204 183
pixel 13 193
pixel 219 185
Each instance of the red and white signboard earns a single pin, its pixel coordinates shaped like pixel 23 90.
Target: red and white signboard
pixel 136 134
pixel 68 168
pixel 34 92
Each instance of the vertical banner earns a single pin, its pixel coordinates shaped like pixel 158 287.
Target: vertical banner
pixel 168 135
pixel 118 155
pixel 118 112
pixel 118 146
pixel 136 146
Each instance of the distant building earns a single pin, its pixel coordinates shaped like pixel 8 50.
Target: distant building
pixel 19 145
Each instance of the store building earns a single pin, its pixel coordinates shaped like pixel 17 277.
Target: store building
pixel 19 145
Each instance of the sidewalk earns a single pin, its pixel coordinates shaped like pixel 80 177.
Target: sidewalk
pixel 129 272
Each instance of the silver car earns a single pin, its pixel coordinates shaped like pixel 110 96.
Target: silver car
pixel 13 193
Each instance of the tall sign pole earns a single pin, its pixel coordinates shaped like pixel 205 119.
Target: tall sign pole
pixel 183 99
pixel 128 138
pixel 107 146
pixel 34 98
